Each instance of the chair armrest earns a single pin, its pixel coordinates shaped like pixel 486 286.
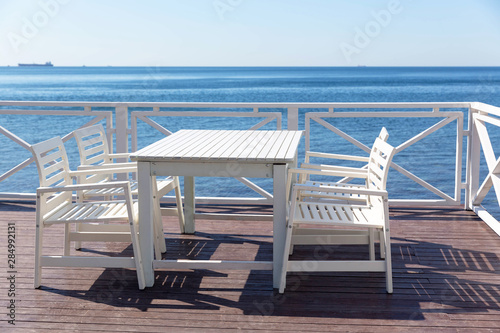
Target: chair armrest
pixel 119 155
pixel 350 172
pixel 354 173
pixel 108 165
pixel 86 172
pixel 340 189
pixel 81 187
pixel 336 156
pixel 327 167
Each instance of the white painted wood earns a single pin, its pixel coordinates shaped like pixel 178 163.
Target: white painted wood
pixel 213 264
pixel 348 173
pixel 165 109
pixel 213 146
pixel 424 133
pixel 293 118
pixel 336 266
pixel 493 177
pixel 239 217
pixel 191 153
pixel 14 138
pixel 310 154
pixel 328 211
pixel 485 108
pixel 396 105
pixel 55 206
pixel 16 169
pixel 72 261
pixel 486 119
pixel 189 205
pixel 489 219
pixel 279 220
pixel 94 151
pixel 146 218
pixel 458 160
pixel 154 124
pixel 412 110
pixel 144 116
pixel 449 117
pixel 254 187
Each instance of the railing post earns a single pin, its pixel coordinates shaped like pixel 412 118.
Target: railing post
pixel 121 125
pixel 121 120
pixel 293 119
pixel 473 162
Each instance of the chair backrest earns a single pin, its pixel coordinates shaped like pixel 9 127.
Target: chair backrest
pixel 93 149
pixel 92 145
pixel 384 135
pixel 53 168
pixel 377 155
pixel 378 166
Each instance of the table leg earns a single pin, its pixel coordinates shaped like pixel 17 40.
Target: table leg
pixel 146 226
pixel 279 220
pixel 189 205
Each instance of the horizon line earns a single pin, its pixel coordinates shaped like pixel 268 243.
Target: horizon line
pixel 260 66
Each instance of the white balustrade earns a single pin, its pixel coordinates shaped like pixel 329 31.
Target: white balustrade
pixel 482 119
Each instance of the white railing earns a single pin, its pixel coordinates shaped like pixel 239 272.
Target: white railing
pixel 314 117
pixel 484 119
pixel 45 109
pixel 435 112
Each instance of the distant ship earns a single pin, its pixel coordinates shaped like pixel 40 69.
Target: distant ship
pixel 47 64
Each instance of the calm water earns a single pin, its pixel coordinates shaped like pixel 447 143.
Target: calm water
pixel 428 159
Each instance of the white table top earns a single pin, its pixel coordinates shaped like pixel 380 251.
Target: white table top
pixel 223 145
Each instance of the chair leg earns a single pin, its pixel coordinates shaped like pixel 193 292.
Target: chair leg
pixel 286 254
pixel 290 249
pixel 141 280
pixel 78 244
pixel 159 242
pixel 371 241
pixel 67 242
pixel 382 244
pixel 38 253
pixel 388 262
pixel 178 199
pixel 158 234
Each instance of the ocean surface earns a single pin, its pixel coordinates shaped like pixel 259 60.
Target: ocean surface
pixel 432 159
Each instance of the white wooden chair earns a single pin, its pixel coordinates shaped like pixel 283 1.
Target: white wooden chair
pixel 302 176
pixel 94 152
pixel 348 173
pixel 315 215
pixel 54 206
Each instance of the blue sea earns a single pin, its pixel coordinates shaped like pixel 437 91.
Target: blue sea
pixel 432 159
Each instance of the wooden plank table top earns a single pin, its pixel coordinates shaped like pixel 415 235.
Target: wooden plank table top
pixel 223 145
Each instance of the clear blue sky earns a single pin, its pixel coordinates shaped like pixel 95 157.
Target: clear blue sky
pixel 251 32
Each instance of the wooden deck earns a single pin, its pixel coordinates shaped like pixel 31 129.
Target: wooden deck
pixel 446 278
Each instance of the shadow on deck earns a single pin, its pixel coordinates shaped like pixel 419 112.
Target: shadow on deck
pixel 445 264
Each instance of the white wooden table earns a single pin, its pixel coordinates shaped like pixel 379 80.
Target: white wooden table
pixel 215 153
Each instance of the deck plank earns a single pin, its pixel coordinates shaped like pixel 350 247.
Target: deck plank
pixel 446 279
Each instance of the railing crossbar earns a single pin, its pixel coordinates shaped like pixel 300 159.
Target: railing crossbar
pixel 50 112
pixel 424 133
pixel 341 134
pixel 423 183
pixel 255 188
pixel 155 125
